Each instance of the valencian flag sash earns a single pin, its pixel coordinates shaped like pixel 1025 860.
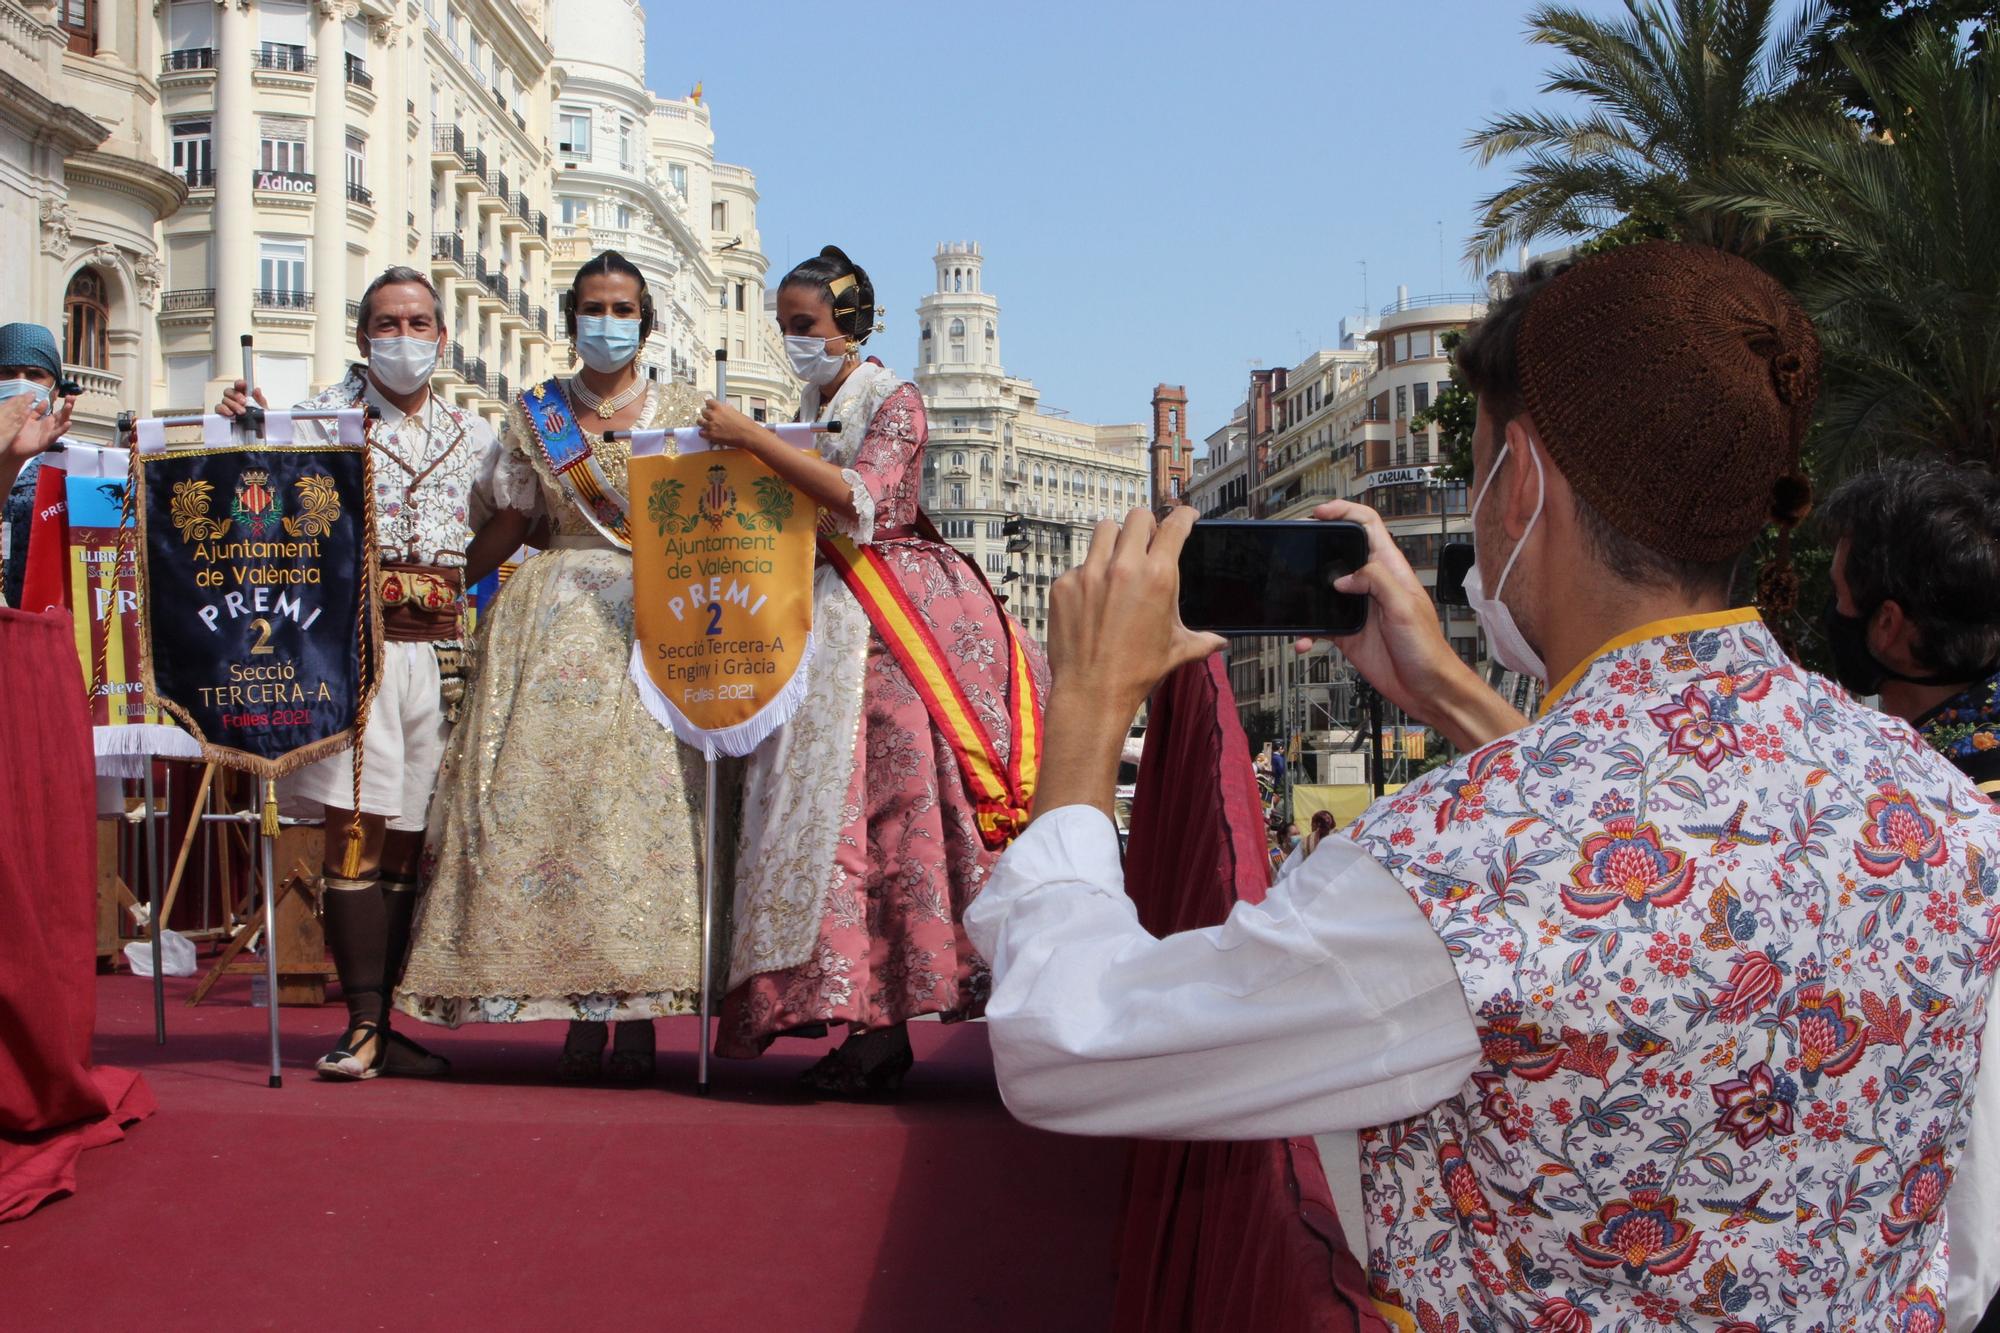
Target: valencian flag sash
pixel 722 573
pixel 1002 793
pixel 103 593
pixel 257 597
pixel 566 453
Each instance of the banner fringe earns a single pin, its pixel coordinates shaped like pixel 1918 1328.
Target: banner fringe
pixel 733 742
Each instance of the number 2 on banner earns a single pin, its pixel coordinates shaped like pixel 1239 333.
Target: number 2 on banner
pixel 263 644
pixel 714 619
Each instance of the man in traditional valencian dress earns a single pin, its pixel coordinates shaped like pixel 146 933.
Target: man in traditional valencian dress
pixel 427 456
pixel 1665 1007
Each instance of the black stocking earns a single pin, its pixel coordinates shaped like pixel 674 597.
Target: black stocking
pixel 357 926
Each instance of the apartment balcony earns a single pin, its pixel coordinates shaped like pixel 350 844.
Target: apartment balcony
pixel 475 375
pixel 273 66
pixel 451 361
pixel 190 64
pixel 358 193
pixel 503 390
pixel 495 282
pixel 448 146
pixel 357 73
pixel 282 298
pixel 282 307
pixel 448 249
pixel 198 178
pixel 96 381
pixel 289 59
pixel 187 300
pixel 475 163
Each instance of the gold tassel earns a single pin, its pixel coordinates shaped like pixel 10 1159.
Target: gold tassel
pixel 350 858
pixel 270 809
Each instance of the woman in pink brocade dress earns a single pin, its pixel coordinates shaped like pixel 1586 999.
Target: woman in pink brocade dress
pixel 859 848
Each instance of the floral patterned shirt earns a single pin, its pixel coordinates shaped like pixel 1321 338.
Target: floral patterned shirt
pixel 1966 730
pixel 1728 938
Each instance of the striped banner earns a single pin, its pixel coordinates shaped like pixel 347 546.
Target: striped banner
pixel 1002 793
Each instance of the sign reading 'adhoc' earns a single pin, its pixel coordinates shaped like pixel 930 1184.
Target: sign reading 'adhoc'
pixel 257 619
pixel 722 571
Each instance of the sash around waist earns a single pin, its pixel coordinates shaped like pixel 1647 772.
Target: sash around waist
pixel 421 603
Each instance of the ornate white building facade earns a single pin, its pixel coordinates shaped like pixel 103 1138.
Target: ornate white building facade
pixel 84 195
pixel 325 140
pixel 636 173
pixel 997 455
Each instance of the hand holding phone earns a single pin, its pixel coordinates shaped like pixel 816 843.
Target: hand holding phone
pixel 1241 577
pixel 1402 652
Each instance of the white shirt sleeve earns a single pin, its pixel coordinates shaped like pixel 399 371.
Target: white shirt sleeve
pixel 1330 1005
pixel 1972 1208
pixel 505 479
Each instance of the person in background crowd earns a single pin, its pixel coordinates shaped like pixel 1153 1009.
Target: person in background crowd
pixel 35 406
pixel 426 456
pixel 1616 999
pixel 1916 619
pixel 1322 828
pixel 565 838
pixel 861 841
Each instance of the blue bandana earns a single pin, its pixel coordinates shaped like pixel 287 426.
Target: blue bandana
pixel 30 345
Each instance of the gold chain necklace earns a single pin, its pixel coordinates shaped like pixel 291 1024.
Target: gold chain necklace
pixel 606 408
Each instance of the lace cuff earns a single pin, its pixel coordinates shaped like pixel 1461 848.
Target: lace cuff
pixel 514 484
pixel 862 530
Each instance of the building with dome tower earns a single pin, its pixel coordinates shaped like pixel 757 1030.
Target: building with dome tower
pixel 999 460
pixel 636 173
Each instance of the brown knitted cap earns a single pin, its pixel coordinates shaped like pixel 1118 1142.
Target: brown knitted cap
pixel 1673 384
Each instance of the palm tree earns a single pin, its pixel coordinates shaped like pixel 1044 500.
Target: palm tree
pixel 1905 287
pixel 1674 93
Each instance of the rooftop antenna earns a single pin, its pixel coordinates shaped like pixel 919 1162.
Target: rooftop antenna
pixel 1440 254
pixel 1364 287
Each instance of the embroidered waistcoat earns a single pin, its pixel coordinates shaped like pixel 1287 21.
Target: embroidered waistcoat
pixel 425 467
pixel 1727 937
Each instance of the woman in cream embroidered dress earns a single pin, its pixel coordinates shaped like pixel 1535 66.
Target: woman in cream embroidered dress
pixel 565 829
pixel 859 848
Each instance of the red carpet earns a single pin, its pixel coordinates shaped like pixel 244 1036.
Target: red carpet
pixel 500 1200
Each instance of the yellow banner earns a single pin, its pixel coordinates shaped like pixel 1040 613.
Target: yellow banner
pixel 722 572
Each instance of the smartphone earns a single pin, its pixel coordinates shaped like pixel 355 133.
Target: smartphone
pixel 1246 576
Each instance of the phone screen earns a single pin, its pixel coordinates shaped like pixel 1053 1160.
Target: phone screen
pixel 1250 577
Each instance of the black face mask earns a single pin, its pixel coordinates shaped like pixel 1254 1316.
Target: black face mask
pixel 1854 666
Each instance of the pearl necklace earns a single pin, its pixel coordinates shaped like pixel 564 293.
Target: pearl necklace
pixel 606 408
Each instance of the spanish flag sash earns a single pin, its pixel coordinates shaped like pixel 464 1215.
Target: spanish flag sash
pixel 1002 793
pixel 566 452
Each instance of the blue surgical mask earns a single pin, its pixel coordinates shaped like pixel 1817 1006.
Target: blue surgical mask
pixel 605 344
pixel 15 388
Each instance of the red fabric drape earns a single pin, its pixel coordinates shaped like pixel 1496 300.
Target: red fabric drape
pixel 1222 1236
pixel 45 580
pixel 53 1104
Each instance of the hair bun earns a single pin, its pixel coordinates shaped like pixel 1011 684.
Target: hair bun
pixel 836 255
pixel 1791 499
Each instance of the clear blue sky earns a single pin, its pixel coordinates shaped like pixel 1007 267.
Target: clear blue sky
pixel 1165 192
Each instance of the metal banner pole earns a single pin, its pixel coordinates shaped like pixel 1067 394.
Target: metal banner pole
pixel 267 855
pixel 150 843
pixel 709 804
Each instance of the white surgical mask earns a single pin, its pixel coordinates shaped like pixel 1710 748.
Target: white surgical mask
pixel 606 344
pixel 402 365
pixel 811 361
pixel 15 388
pixel 1510 649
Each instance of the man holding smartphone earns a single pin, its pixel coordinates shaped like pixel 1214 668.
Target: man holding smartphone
pixel 1656 1004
